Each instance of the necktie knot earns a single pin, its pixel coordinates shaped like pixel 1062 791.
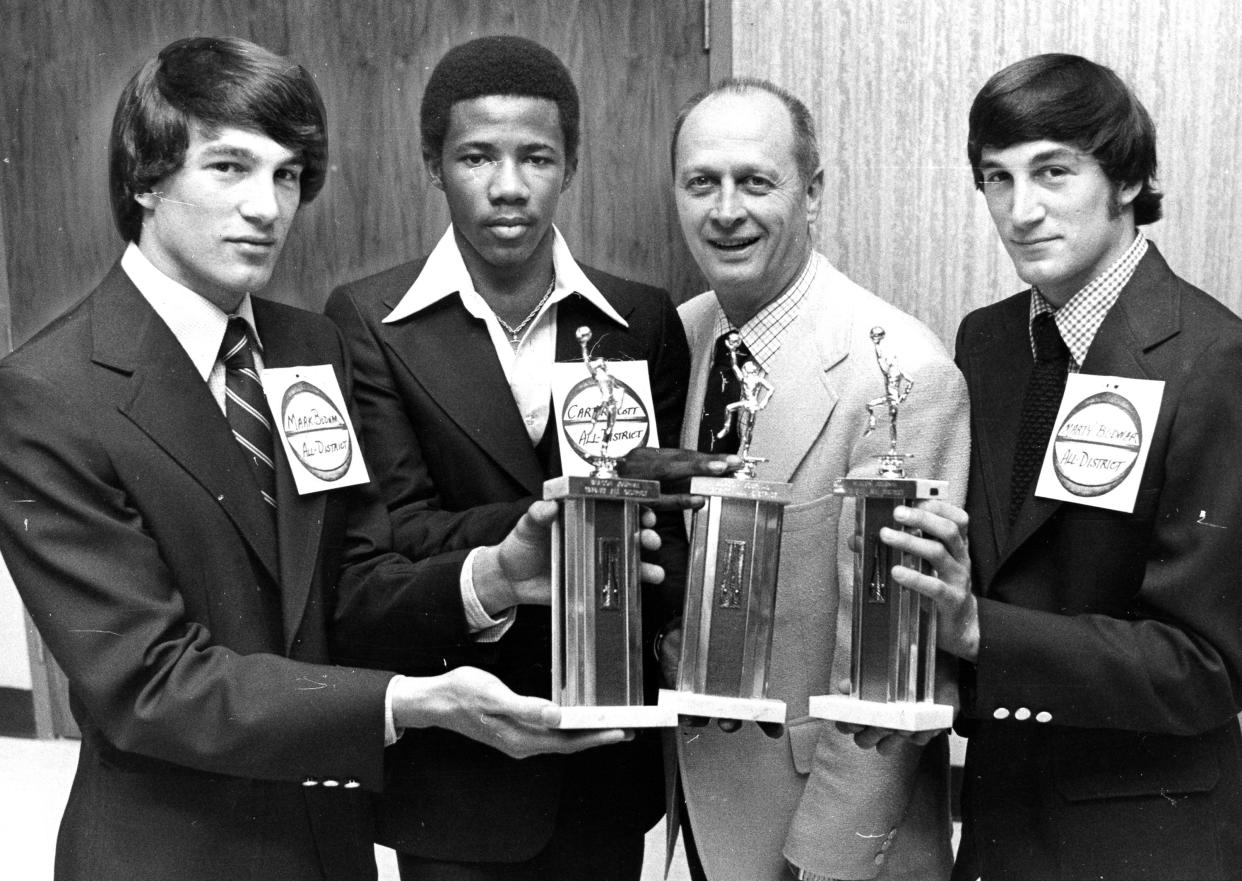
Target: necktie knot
pixel 1049 346
pixel 235 350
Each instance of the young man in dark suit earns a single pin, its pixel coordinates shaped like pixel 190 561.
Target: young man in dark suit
pixel 1103 645
pixel 452 354
pixel 153 527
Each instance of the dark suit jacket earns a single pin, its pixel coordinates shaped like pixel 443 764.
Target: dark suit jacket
pixel 217 744
pixel 1111 642
pixel 457 466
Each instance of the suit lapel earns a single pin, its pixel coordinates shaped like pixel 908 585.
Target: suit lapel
pixel 299 517
pixel 804 375
pixel 576 311
pixel 1145 315
pixel 449 353
pixel 999 365
pixel 698 329
pixel 174 407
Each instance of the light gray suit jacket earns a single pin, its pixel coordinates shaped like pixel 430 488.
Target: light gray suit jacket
pixel 812 796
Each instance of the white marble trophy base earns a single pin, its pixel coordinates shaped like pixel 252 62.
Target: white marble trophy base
pixel 576 718
pixel 899 716
pixel 689 703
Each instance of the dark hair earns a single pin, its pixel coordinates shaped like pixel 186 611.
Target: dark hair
pixel 1067 98
pixel 806 142
pixel 497 66
pixel 212 82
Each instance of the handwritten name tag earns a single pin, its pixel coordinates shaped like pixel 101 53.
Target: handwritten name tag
pixel 1100 441
pixel 312 422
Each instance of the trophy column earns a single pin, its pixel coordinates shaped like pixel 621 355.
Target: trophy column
pixel 893 633
pixel 726 641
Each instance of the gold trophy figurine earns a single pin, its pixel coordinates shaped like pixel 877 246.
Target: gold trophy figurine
pixel 897 387
pixel 605 413
pixel 756 392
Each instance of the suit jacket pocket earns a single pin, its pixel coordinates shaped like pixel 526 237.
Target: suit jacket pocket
pixel 1095 764
pixel 803 739
pixel 1144 510
pixel 819 513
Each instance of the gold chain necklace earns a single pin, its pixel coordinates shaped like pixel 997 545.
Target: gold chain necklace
pixel 515 333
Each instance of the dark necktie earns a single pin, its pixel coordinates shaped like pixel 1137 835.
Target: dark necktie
pixel 1039 407
pixel 723 388
pixel 245 406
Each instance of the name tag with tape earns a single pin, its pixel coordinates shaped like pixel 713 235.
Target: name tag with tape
pixel 1102 436
pixel 312 422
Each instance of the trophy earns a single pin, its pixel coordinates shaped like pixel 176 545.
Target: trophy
pixel 735 548
pixel 597 672
pixel 893 649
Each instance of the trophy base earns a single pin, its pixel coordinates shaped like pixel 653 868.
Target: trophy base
pixel 713 706
pixel 578 718
pixel 898 715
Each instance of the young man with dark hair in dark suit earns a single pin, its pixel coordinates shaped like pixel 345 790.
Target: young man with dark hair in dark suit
pixel 1103 644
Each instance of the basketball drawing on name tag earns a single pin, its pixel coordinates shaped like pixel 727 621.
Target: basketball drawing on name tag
pixel 1095 448
pixel 317 432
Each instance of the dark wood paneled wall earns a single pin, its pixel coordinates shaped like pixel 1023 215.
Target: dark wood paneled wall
pixel 63 63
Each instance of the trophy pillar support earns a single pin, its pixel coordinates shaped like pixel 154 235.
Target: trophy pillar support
pixel 597 657
pixel 893 649
pixel 731 601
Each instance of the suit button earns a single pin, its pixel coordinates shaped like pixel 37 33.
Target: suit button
pixel 309 781
pixel 1000 713
pixel 351 783
pixel 1043 716
pixel 330 783
pixel 1022 714
pixel 879 859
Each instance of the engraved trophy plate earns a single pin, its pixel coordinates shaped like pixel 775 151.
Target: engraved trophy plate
pixel 893 633
pixel 597 657
pixel 731 581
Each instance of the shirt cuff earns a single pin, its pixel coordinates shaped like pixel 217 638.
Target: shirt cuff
pixel 482 626
pixel 391 733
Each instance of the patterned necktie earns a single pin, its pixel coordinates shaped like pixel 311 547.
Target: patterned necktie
pixel 1039 407
pixel 723 388
pixel 246 407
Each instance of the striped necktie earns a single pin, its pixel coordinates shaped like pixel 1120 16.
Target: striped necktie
pixel 246 407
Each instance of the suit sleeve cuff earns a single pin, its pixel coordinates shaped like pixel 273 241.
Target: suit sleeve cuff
pixel 391 733
pixel 482 626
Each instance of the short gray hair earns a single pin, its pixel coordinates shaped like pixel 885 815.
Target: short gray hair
pixel 806 142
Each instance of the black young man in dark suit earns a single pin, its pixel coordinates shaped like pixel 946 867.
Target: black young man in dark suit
pixel 453 356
